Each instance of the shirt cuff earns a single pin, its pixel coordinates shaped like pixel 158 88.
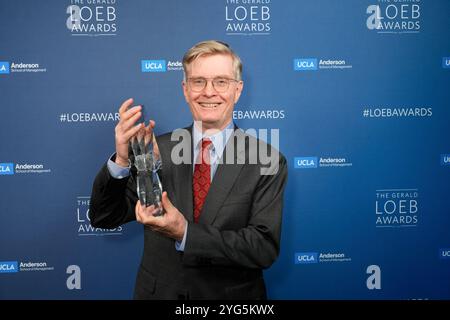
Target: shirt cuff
pixel 116 171
pixel 180 245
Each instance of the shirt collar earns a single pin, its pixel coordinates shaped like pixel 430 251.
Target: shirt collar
pixel 219 139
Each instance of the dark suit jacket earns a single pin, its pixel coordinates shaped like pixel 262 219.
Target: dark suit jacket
pixel 237 236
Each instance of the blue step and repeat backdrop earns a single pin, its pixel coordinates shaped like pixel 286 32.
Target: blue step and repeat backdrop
pixel 358 89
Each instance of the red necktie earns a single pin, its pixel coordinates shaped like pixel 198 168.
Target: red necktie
pixel 202 178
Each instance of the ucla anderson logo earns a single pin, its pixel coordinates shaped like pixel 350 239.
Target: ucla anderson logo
pixel 153 65
pixel 309 64
pixel 6 168
pixel 4 67
pixel 305 162
pixel 444 253
pixel 445 62
pixel 11 168
pixel 8 266
pixel 7 68
pixel 445 159
pixel 306 257
pixel 314 64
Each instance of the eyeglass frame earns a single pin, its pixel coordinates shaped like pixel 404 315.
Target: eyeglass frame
pixel 229 80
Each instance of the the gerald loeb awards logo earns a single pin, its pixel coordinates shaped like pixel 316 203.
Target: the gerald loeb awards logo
pixel 396 208
pixel 92 17
pixel 248 17
pixel 84 224
pixel 394 16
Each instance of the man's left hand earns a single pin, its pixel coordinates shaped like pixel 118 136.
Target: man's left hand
pixel 172 224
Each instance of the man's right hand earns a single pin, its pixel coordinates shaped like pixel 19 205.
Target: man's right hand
pixel 126 129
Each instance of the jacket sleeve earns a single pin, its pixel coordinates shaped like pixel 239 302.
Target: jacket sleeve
pixel 112 200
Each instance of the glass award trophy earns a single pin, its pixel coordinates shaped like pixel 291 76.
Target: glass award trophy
pixel 147 163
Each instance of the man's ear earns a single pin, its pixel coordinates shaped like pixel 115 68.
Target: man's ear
pixel 239 88
pixel 184 85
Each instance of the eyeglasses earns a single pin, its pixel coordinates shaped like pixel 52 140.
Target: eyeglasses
pixel 219 84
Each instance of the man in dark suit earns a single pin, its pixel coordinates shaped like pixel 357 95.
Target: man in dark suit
pixel 217 234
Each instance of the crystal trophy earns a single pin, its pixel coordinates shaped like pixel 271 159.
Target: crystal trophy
pixel 147 163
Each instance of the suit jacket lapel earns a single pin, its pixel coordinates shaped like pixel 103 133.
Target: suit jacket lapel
pixel 183 190
pixel 223 181
pixel 182 184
